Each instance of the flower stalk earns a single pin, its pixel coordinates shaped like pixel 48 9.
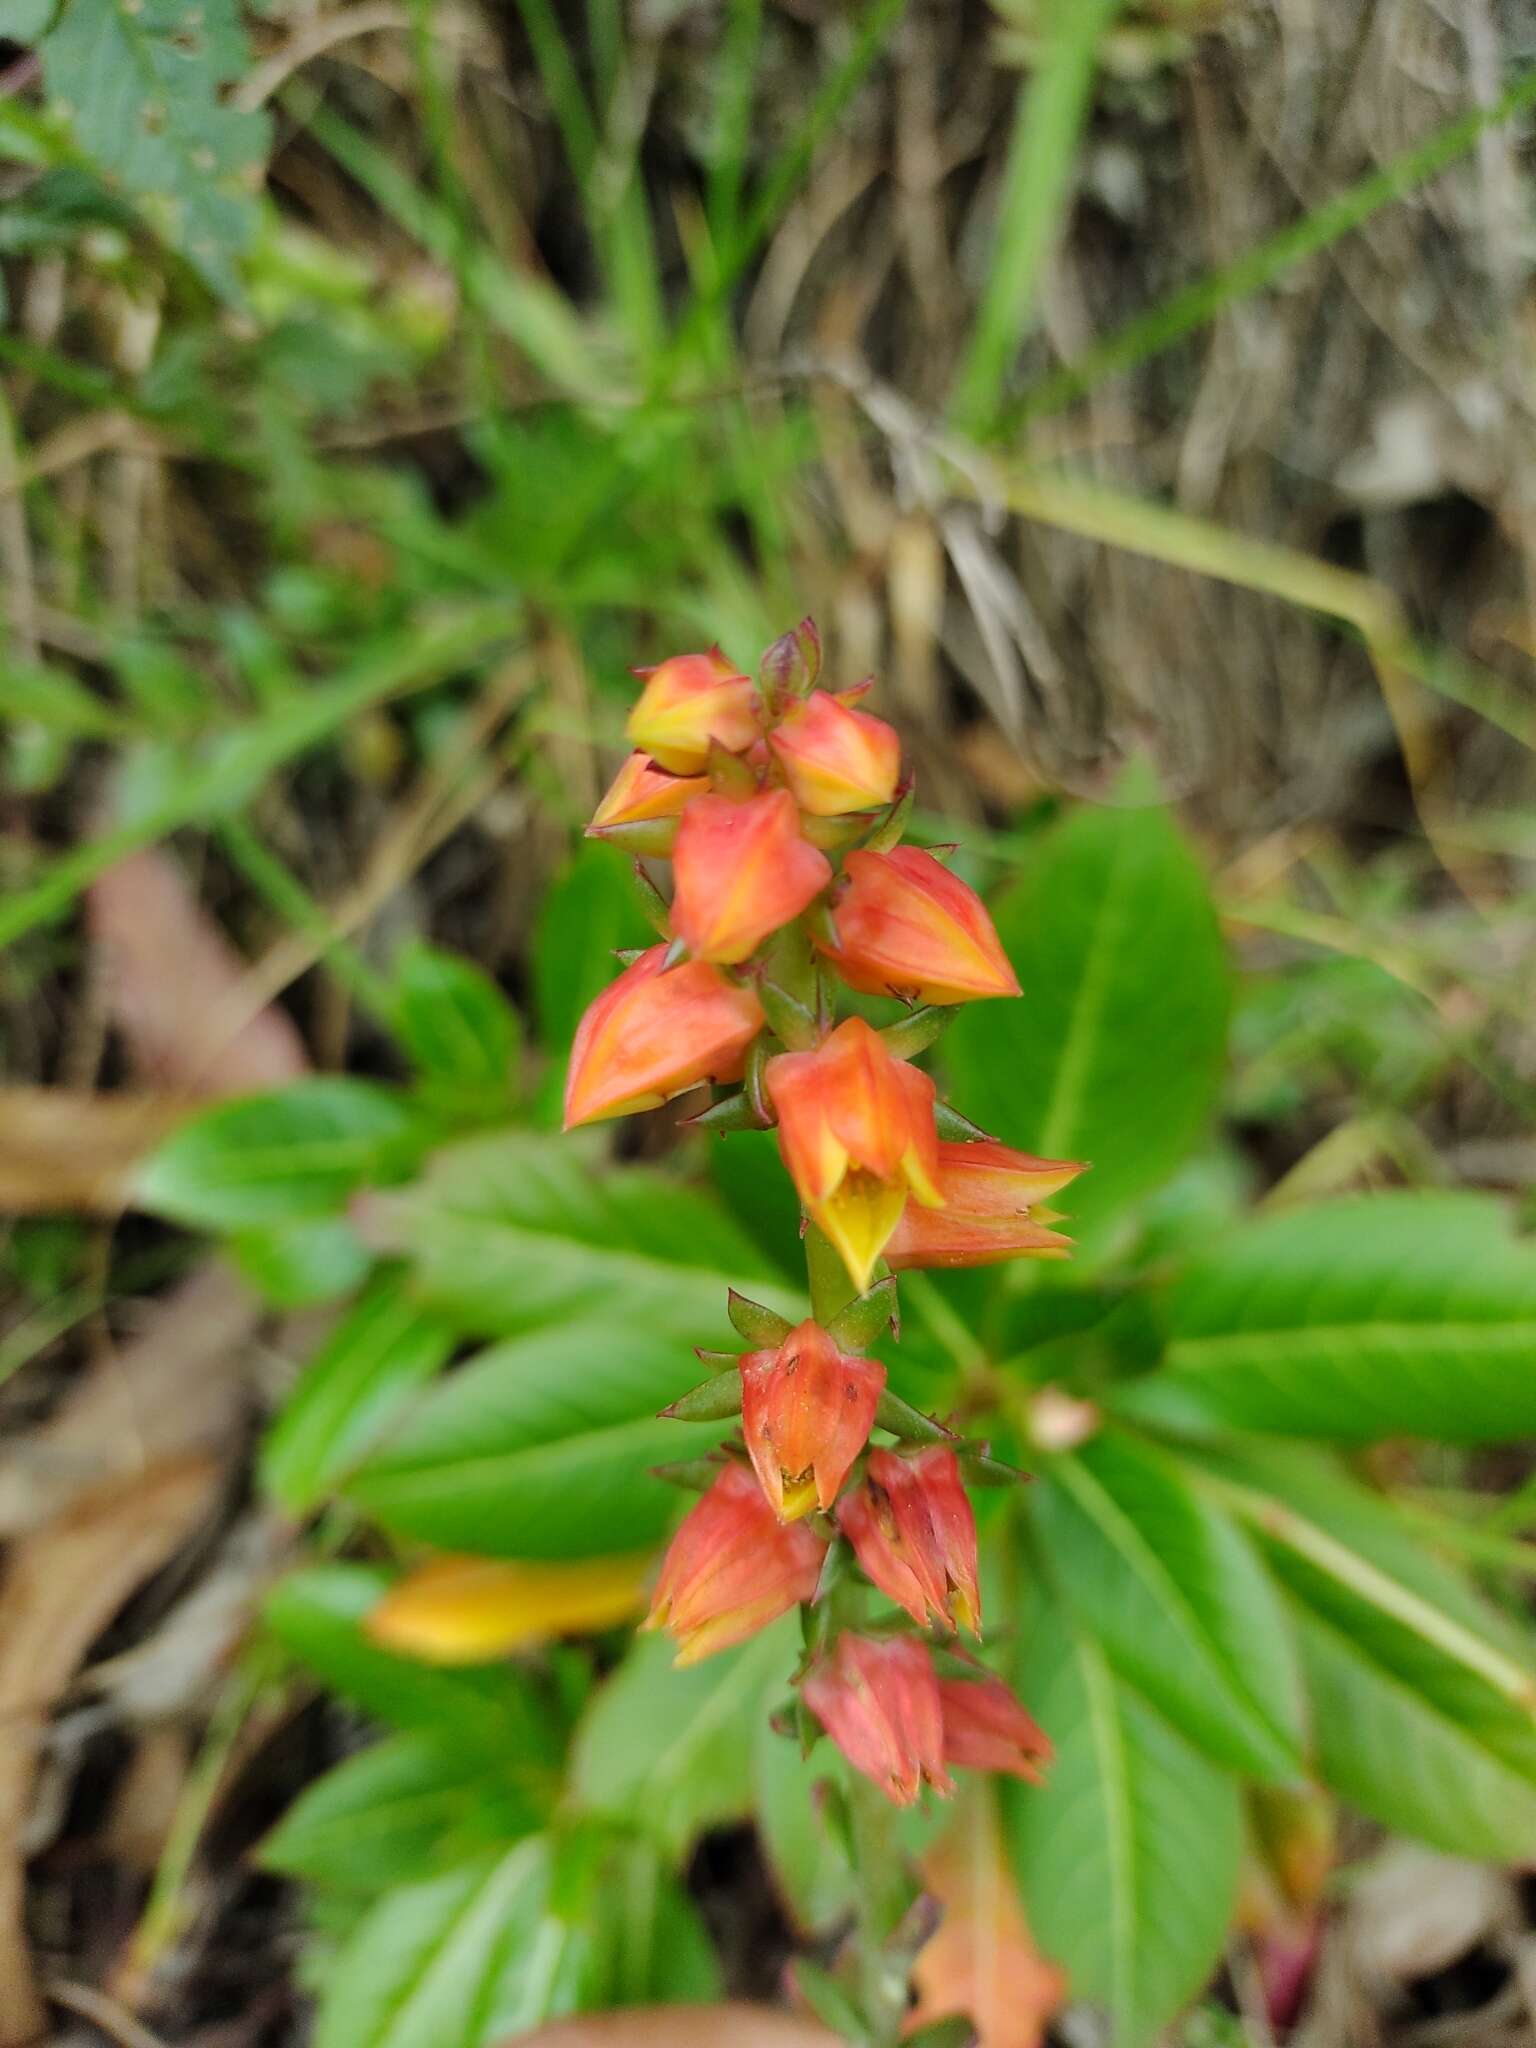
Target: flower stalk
pixel 782 806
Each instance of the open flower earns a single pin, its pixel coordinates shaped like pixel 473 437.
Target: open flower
pixel 688 701
pixel 989 1194
pixel 836 759
pixel 732 1567
pixel 856 1132
pixel 907 926
pixel 641 792
pixel 914 1534
pixel 986 1728
pixel 878 1699
pixel 806 1411
pixel 742 870
pixel 651 1034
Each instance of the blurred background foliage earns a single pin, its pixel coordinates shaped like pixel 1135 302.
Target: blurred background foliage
pixel 1143 393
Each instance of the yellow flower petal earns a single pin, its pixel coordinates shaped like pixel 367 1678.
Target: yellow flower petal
pixel 464 1610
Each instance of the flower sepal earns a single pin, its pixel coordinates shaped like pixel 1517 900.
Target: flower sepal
pixel 790 667
pixel 735 1111
pixel 713 1400
pixel 653 837
pixel 866 1318
pixel 914 1033
pixel 756 1323
pixel 900 1419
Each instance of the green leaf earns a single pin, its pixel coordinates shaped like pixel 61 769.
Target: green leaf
pixel 804 1856
pixel 1378 1315
pixel 264 1159
pixel 142 84
pixel 1424 1698
pixel 589 913
pixel 455 1022
pixel 542 1447
pixel 357 1384
pixel 297 1265
pixel 491 1713
pixel 455 1961
pixel 511 1232
pixel 649 1944
pixel 409 1806
pixel 671 1751
pixel 1179 1601
pixel 1128 1855
pixel 1115 1052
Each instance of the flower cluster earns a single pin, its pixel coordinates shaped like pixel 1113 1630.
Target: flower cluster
pixel 782 808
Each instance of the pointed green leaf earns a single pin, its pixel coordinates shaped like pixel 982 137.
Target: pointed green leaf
pixel 671 1751
pixel 359 1383
pixel 541 1447
pixel 455 1022
pixel 1379 1315
pixel 1179 1600
pixel 398 1811
pixel 511 1232
pixel 1128 1855
pixel 264 1159
pixel 1424 1698
pixel 1115 1053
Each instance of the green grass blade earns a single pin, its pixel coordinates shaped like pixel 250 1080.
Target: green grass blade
pixel 1197 303
pixel 1036 188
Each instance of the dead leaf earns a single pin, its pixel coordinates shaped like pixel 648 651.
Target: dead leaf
pixel 463 1610
pixel 63 1584
pixel 982 1962
pixel 65 1151
pixel 679 2026
pixel 179 992
pixel 177 1388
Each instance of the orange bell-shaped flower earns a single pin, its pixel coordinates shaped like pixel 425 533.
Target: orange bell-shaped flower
pixel 688 701
pixel 836 759
pixel 732 1567
pixel 914 1534
pixel 878 1699
pixel 987 1729
pixel 742 870
pixel 806 1412
pixel 856 1132
pixel 989 1193
pixel 641 792
pixel 907 926
pixel 651 1034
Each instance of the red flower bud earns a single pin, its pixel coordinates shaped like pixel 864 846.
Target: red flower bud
pixel 836 759
pixel 878 1699
pixel 732 1567
pixel 914 1534
pixel 743 870
pixel 689 701
pixel 907 926
pixel 806 1411
pixel 641 791
pixel 650 1035
pixel 856 1132
pixel 988 1191
pixel 986 1729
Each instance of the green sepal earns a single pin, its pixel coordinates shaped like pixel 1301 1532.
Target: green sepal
pixel 693 1475
pixel 793 1022
pixel 652 902
pixel 675 955
pixel 655 836
pixel 733 1112
pixel 909 1423
pixel 754 1084
pixel 832 834
pixel 958 1129
pixel 789 667
pixel 628 955
pixel 760 1326
pixel 729 775
pixel 822 926
pixel 955 2031
pixel 857 1326
pixel 979 1466
pixel 832 2005
pixel 915 1033
pixel 888 829
pixel 711 1401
